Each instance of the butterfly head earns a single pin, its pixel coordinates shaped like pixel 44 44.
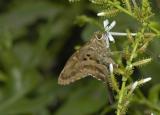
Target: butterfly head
pixel 99 35
pixel 101 38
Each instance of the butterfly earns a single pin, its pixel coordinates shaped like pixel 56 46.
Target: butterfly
pixel 92 59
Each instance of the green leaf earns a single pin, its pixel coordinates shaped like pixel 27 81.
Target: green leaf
pixel 25 14
pixel 37 104
pixel 84 100
pixel 154 94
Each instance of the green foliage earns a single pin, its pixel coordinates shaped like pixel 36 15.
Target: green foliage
pixel 27 86
pixel 80 104
pixel 133 48
pixel 33 35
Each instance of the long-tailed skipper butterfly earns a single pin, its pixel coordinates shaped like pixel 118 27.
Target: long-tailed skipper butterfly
pixel 92 59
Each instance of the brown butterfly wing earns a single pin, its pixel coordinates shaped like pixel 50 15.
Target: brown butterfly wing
pixel 92 59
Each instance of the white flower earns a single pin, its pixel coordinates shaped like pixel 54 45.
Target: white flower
pixel 111 68
pixel 109 35
pixel 107 28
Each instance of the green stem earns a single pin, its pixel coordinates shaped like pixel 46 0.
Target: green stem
pixel 121 8
pixel 128 5
pixel 125 77
pixel 133 53
pixel 154 29
pixel 130 14
pixel 121 95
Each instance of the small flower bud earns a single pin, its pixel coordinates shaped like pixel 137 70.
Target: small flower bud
pixel 141 62
pixel 144 80
pixel 111 68
pixel 101 14
pixel 134 86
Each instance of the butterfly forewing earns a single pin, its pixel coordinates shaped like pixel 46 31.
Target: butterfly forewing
pixel 90 60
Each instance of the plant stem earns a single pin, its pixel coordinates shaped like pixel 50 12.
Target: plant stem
pixel 121 96
pixel 154 29
pixel 125 77
pixel 133 53
pixel 130 14
pixel 121 8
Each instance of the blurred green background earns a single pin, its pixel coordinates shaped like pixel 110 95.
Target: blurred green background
pixel 36 39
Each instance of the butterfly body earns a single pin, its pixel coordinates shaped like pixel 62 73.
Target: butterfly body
pixel 92 59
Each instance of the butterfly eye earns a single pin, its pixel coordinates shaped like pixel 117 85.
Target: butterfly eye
pixel 99 36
